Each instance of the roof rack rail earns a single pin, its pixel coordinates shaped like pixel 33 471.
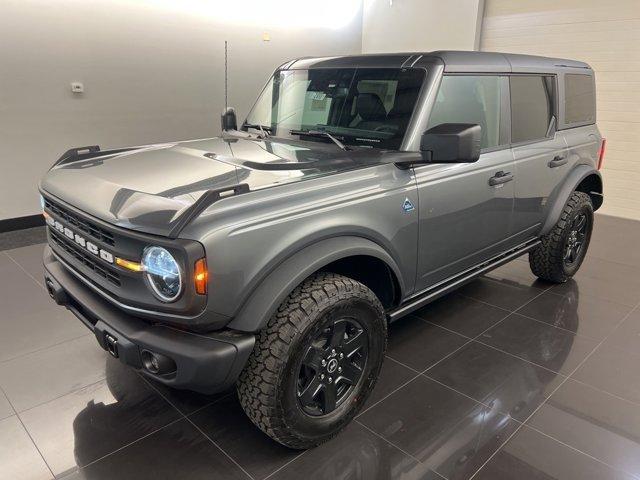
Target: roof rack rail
pixel 207 199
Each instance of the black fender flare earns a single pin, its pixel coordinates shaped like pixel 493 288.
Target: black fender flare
pixel 278 284
pixel 559 197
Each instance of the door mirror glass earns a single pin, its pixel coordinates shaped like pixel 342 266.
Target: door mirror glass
pixel 228 120
pixel 451 143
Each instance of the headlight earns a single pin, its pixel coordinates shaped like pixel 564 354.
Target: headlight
pixel 163 273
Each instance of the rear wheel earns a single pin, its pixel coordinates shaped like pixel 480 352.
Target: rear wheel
pixel 315 362
pixel 563 249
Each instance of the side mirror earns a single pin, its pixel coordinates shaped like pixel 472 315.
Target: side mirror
pixel 228 119
pixel 451 143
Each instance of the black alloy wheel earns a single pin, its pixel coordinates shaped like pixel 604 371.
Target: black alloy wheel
pixel 576 239
pixel 332 366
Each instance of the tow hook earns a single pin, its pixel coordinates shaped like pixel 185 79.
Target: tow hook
pixel 56 292
pixel 111 343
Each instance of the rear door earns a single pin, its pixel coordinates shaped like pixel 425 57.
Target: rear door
pixel 466 208
pixel 540 152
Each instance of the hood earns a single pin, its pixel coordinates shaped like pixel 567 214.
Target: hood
pixel 149 188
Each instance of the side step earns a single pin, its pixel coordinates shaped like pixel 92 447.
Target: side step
pixel 433 293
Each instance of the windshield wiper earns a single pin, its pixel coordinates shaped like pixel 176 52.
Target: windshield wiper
pixel 320 133
pixel 264 130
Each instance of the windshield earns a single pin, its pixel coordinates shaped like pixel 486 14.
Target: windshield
pixel 364 106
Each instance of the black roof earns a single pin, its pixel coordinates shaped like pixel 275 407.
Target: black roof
pixel 453 61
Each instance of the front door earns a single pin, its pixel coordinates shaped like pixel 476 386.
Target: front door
pixel 466 209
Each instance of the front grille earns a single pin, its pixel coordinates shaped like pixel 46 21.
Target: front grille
pixel 84 258
pixel 80 223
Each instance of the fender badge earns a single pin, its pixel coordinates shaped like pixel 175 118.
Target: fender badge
pixel 407 206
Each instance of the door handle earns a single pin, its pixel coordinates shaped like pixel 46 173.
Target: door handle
pixel 500 178
pixel 558 161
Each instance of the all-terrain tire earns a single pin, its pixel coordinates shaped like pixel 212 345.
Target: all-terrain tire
pixel 267 386
pixel 547 261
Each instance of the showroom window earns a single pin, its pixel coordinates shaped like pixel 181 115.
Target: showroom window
pixel 531 107
pixel 470 99
pixel 580 99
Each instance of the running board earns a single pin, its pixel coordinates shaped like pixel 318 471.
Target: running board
pixel 433 293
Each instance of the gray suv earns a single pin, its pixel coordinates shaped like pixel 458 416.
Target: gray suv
pixel 357 190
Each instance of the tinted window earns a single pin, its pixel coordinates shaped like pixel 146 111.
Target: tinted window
pixel 531 107
pixel 580 99
pixel 366 106
pixel 470 99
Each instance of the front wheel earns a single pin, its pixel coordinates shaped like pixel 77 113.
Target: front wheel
pixel 316 361
pixel 563 249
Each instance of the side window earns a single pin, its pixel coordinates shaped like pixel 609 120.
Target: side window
pixel 580 99
pixel 470 99
pixel 531 107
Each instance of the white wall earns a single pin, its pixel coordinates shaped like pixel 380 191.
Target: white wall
pixel 607 36
pixel 421 25
pixel 152 71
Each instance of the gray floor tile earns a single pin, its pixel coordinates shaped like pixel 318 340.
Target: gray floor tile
pixel 539 343
pixel 19 458
pixel 356 453
pixel 627 335
pixel 605 280
pixel 420 344
pixel 613 370
pixel 5 407
pixel 462 315
pixel 226 424
pixel 392 376
pixel 448 432
pixel 501 293
pixel 582 314
pixel 30 258
pixel 594 422
pixel 30 321
pixel 96 420
pixel 47 374
pixel 187 401
pixel 178 451
pixel 497 379
pixel 530 455
pixel 518 274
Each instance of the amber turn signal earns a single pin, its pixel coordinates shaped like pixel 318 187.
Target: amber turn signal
pixel 128 264
pixel 201 276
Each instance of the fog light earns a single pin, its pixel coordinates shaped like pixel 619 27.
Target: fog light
pixel 157 363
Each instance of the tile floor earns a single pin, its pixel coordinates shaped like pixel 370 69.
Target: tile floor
pixel 509 378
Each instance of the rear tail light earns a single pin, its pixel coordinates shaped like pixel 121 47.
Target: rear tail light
pixel 201 275
pixel 601 150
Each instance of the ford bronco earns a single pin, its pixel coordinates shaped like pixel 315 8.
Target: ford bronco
pixel 357 190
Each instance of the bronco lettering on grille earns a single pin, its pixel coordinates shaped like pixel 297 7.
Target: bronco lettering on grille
pixel 81 241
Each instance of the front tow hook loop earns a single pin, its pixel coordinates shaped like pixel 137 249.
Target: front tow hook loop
pixel 112 344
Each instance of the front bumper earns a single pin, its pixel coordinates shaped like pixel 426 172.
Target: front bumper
pixel 204 362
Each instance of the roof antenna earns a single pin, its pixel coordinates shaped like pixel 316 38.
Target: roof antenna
pixel 228 118
pixel 226 86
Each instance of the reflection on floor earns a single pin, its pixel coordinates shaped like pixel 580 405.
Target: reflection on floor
pixel 507 378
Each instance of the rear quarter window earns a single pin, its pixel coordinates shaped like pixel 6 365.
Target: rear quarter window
pixel 580 99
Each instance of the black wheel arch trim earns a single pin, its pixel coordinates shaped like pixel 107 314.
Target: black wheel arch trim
pixel 561 194
pixel 279 283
